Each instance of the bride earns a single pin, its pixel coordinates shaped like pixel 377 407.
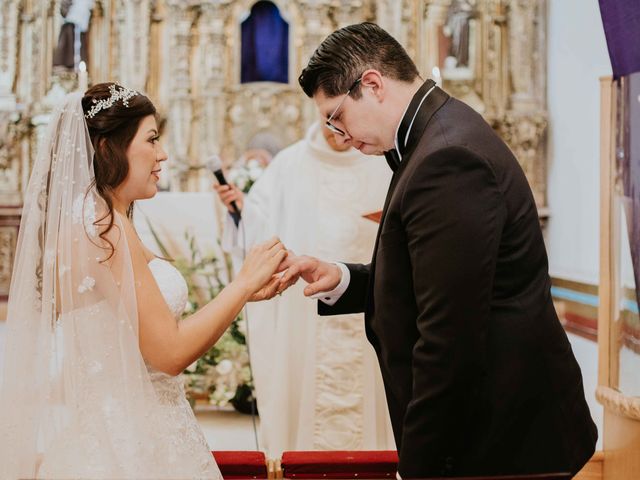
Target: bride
pixel 94 349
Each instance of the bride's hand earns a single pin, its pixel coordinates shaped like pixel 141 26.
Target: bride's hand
pixel 276 285
pixel 268 291
pixel 257 274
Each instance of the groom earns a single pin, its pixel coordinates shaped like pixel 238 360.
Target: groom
pixel 479 375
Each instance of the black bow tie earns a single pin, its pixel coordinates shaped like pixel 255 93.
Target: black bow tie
pixel 393 159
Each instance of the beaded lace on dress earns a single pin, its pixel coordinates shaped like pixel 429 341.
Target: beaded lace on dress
pixel 184 443
pixel 170 389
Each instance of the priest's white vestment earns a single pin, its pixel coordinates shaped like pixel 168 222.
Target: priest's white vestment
pixel 318 383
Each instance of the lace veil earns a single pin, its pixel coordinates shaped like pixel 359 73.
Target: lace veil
pixel 76 399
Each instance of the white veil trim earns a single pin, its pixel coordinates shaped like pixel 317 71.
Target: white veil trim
pixel 77 400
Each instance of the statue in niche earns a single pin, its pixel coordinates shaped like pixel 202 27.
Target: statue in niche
pixel 72 41
pixel 264 45
pixel 457 29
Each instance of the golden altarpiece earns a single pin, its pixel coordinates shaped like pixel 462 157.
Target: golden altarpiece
pixel 185 54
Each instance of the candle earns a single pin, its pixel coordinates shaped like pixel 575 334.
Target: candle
pixel 83 81
pixel 436 76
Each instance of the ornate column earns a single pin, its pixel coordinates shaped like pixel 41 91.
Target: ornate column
pixel 41 26
pixel 9 223
pixel 316 27
pixel 16 19
pixel 32 79
pixel 119 47
pixel 8 50
pixel 156 60
pixel 435 14
pixel 15 128
pixel 403 21
pixel 389 16
pixel 14 131
pixel 347 12
pixel 524 132
pixel 494 73
pixel 210 101
pixel 522 52
pixel 181 16
pixel 525 123
pixel 29 49
pixel 133 20
pixel 11 121
pixel 410 31
pixel 99 68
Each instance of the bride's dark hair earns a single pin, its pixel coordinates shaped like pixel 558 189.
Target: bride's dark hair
pixel 111 131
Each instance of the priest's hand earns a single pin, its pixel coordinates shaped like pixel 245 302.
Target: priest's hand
pixel 230 193
pixel 321 276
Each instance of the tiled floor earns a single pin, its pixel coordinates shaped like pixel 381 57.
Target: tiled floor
pixel 228 430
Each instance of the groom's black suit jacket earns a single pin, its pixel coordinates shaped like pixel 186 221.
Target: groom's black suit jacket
pixel 479 375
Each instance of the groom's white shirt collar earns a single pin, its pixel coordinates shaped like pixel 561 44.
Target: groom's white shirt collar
pixel 406 137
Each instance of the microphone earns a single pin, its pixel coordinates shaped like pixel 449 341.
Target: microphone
pixel 214 164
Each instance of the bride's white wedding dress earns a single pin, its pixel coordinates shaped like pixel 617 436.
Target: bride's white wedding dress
pixel 76 397
pixel 170 389
pixel 86 451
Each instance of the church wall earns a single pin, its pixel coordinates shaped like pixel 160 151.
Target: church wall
pixel 577 57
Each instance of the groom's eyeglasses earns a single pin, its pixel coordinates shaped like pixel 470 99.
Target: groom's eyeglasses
pixel 328 123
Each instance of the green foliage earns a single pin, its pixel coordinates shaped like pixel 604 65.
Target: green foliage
pixel 222 375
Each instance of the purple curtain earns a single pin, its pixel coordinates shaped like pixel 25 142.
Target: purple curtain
pixel 621 21
pixel 265 45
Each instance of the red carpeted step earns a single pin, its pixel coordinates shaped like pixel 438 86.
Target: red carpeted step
pixel 367 465
pixel 241 465
pixel 340 464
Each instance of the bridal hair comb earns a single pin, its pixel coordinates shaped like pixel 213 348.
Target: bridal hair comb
pixel 122 93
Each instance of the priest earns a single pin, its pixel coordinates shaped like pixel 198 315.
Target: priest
pixel 318 384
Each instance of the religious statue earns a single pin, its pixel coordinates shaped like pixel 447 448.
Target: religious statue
pixel 457 28
pixel 72 41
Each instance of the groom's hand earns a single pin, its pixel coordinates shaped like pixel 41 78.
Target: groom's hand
pixel 321 276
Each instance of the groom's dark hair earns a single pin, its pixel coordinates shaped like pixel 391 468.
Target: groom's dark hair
pixel 345 54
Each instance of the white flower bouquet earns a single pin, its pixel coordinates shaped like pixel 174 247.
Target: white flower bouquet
pixel 244 175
